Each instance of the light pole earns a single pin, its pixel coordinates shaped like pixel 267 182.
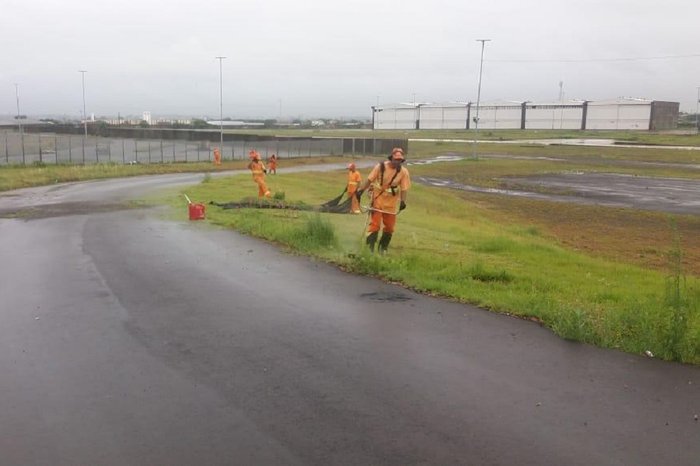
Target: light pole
pixel 478 96
pixel 19 121
pixel 221 103
pixel 697 108
pixel 84 114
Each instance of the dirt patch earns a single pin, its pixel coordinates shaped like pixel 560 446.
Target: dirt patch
pixel 632 236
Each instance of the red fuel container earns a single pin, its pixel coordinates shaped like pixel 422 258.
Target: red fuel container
pixel 196 211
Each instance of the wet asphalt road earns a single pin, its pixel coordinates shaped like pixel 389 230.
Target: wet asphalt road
pixel 128 339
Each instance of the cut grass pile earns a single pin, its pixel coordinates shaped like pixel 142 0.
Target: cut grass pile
pixel 449 244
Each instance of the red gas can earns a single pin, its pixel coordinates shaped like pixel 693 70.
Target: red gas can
pixel 196 211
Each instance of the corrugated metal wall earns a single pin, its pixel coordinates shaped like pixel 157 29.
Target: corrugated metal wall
pixel 553 117
pixel 605 115
pixel 499 116
pixel 437 117
pixel 618 116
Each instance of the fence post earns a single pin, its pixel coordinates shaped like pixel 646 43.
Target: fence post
pixel 186 144
pixel 136 150
pixel 21 134
pixel 149 151
pixel 83 150
pixel 55 146
pixel 161 151
pixel 97 149
pixel 70 150
pixel 7 153
pixel 123 153
pixel 41 155
pixel 174 157
pixel 109 151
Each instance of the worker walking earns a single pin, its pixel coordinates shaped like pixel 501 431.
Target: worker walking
pixel 390 183
pixel 257 167
pixel 354 180
pixel 272 165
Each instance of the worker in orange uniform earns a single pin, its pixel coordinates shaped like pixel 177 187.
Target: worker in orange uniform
pixel 272 165
pixel 257 167
pixel 354 180
pixel 390 183
pixel 217 156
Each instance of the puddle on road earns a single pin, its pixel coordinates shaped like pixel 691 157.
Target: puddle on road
pixel 392 297
pixel 66 209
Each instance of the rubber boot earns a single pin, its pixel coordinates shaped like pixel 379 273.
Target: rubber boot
pixel 384 242
pixel 372 239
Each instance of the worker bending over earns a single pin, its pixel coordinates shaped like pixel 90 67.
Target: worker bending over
pixel 390 183
pixel 257 167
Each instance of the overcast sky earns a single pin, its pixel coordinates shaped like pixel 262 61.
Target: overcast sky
pixel 337 58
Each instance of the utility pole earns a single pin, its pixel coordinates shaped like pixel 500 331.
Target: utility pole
pixel 697 110
pixel 478 97
pixel 221 103
pixel 19 121
pixel 84 113
pixel 561 104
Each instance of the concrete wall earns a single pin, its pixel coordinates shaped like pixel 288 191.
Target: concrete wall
pixel 664 115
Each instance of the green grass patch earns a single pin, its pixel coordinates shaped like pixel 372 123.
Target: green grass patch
pixel 445 245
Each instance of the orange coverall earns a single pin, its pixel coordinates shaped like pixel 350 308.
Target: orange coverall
pixel 354 179
pixel 258 170
pixel 386 196
pixel 272 164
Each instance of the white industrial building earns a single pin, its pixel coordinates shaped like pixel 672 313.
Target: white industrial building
pixel 621 114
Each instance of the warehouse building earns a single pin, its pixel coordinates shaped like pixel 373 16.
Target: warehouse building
pixel 618 114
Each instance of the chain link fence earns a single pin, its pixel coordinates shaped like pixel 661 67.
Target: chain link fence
pixel 52 148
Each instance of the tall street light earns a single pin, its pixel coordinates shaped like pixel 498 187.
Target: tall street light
pixel 82 72
pixel 697 109
pixel 19 121
pixel 478 96
pixel 221 103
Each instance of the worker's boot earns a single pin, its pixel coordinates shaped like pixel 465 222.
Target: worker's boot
pixel 384 242
pixel 372 240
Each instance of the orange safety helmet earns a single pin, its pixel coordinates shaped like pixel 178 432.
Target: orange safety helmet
pixel 397 154
pixel 253 154
pixel 351 166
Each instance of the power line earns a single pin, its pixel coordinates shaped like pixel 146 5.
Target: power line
pixel 588 60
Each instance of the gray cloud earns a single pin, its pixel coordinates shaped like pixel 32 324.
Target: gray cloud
pixel 333 58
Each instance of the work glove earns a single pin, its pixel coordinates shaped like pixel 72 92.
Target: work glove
pixel 265 171
pixel 402 206
pixel 358 193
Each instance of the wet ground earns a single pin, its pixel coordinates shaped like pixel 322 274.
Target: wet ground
pixel 678 196
pixel 672 195
pixel 129 339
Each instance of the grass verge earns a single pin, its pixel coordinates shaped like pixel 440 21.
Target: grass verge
pixel 451 246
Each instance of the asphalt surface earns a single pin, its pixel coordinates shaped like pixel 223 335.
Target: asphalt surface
pixel 129 339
